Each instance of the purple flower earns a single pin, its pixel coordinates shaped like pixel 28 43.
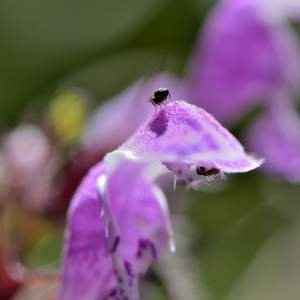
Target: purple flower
pixel 118 221
pixel 244 57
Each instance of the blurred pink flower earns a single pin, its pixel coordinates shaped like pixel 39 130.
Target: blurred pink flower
pixel 118 221
pixel 27 149
pixel 276 136
pixel 243 57
pixel 39 174
pixel 28 159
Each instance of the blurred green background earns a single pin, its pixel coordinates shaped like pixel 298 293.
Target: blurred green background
pixel 100 46
pixel 244 236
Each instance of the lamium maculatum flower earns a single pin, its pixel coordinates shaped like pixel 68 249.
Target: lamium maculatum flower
pixel 118 222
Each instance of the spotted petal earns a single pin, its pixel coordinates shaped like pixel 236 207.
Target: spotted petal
pixel 92 268
pixel 184 137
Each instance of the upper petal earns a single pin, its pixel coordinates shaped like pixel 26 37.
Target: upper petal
pixel 182 133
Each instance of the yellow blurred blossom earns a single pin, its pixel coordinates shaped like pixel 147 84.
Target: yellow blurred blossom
pixel 67 114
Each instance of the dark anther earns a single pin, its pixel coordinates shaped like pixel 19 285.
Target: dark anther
pixel 202 171
pixel 115 244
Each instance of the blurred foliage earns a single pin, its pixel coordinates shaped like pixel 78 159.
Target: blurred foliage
pixel 45 42
pixel 234 223
pixel 47 251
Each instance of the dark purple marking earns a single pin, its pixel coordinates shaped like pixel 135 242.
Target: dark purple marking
pixel 143 246
pixel 194 124
pixel 113 294
pixel 204 172
pixel 210 142
pixel 153 250
pixel 116 293
pixel 115 244
pixel 159 124
pixel 120 280
pixel 128 268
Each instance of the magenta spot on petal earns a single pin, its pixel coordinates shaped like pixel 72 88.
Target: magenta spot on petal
pixel 193 124
pixel 210 142
pixel 159 124
pixel 115 244
pixel 146 245
pixel 153 251
pixel 116 294
pixel 128 269
pixel 113 293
